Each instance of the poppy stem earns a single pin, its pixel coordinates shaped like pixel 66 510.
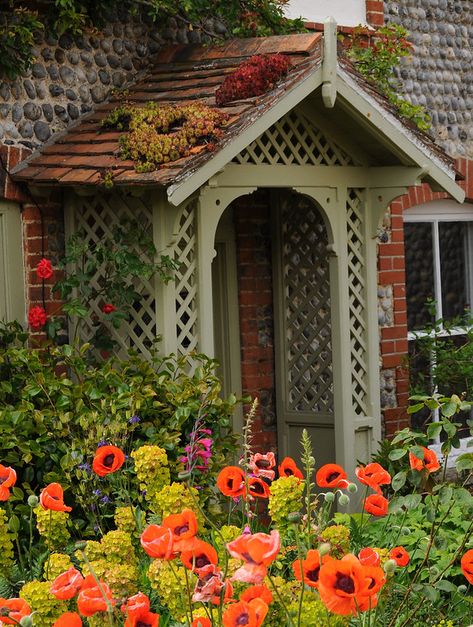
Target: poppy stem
pixel 281 602
pixel 301 595
pixel 49 541
pixel 100 587
pixel 189 595
pixel 180 583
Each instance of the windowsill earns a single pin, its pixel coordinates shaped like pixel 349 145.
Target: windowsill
pixel 454 453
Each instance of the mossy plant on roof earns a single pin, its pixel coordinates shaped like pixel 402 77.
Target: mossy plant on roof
pixel 158 134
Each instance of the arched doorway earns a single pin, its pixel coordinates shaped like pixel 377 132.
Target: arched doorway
pixel 271 251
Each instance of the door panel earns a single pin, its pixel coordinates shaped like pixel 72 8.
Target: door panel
pixel 303 335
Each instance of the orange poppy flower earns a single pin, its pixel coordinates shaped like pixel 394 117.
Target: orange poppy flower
pixel 69 619
pixel 145 618
pixel 201 621
pixel 376 505
pixel 258 551
pixel 91 600
pixel 231 481
pixel 343 586
pixel 202 554
pixel 4 494
pixel 209 584
pixel 257 592
pixel 157 542
pixel 288 468
pixel 369 557
pixel 258 488
pixel 429 463
pixel 107 459
pixel 67 585
pixel 400 556
pixel 373 475
pixel 375 577
pixel 262 465
pixel 13 610
pixel 52 497
pixel 137 603
pixel 330 476
pixel 240 614
pixel 7 476
pixel 310 568
pixel 183 527
pixel 261 608
pixel 467 565
pixel 227 593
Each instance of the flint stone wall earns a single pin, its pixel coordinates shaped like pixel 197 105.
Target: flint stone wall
pixel 439 73
pixel 72 74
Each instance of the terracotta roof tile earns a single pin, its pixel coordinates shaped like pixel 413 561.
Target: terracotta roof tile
pixel 85 153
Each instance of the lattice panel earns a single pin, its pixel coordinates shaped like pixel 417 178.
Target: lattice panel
pixel 357 304
pixel 293 140
pixel 186 282
pixel 308 348
pixel 95 219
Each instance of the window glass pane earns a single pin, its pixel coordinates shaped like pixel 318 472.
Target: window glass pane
pixel 419 273
pixel 452 238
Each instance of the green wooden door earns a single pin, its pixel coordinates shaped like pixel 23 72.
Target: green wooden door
pixel 303 336
pixel 12 298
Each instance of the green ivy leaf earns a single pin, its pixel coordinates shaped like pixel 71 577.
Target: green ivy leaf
pixel 398 481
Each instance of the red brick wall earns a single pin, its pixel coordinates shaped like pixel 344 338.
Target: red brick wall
pixel 43 232
pixel 255 295
pixel 391 271
pixel 375 12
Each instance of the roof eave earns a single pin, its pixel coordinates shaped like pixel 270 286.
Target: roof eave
pixel 437 173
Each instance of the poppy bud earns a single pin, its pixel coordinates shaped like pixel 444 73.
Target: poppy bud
pixel 344 499
pixel 81 545
pixel 462 589
pixel 389 567
pixel 405 531
pixel 294 517
pixel 33 500
pixel 352 487
pixel 324 548
pixel 329 497
pixel 184 475
pixel 26 621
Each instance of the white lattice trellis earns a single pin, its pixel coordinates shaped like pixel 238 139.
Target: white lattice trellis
pixel 293 140
pixel 307 307
pixel 186 281
pixel 95 219
pixel 357 304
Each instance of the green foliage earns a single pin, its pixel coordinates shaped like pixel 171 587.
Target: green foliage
pixel 376 61
pixel 243 18
pixel 55 408
pixel 162 133
pixel 16 41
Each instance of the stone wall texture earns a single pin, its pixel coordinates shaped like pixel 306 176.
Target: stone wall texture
pixel 73 74
pixel 439 73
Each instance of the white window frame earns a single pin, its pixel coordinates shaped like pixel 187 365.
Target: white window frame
pixel 435 212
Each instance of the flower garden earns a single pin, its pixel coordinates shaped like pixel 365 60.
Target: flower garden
pixel 127 501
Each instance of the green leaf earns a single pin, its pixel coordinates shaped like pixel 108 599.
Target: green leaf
pixel 399 480
pixel 445 586
pixel 433 430
pixel 397 453
pixel 430 593
pixel 464 462
pixel 432 404
pixel 14 523
pixel 412 501
pixel 449 409
pixel 418 451
pixel 412 409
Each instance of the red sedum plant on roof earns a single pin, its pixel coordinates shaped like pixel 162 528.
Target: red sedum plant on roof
pixel 253 77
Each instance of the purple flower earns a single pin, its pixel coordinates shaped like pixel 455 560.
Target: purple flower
pixel 86 467
pixel 102 443
pixel 105 500
pixel 97 492
pixel 134 420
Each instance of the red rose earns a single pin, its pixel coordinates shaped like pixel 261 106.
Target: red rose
pixel 37 317
pixel 44 269
pixel 108 308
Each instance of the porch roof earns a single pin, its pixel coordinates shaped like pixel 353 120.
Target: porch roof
pixel 85 153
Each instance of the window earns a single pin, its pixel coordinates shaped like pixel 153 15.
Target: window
pixel 12 298
pixel 439 292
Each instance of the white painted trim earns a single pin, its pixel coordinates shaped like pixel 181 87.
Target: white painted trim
pixel 439 211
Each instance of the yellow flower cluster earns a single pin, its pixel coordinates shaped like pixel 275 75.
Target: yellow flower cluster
pixel 6 544
pixel 152 469
pixel 46 607
pixel 285 497
pixel 52 526
pixel 338 536
pixel 58 563
pixel 124 518
pixel 114 560
pixel 174 498
pixel 170 583
pixel 314 612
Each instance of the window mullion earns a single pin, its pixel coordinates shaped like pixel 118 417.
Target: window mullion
pixel 437 273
